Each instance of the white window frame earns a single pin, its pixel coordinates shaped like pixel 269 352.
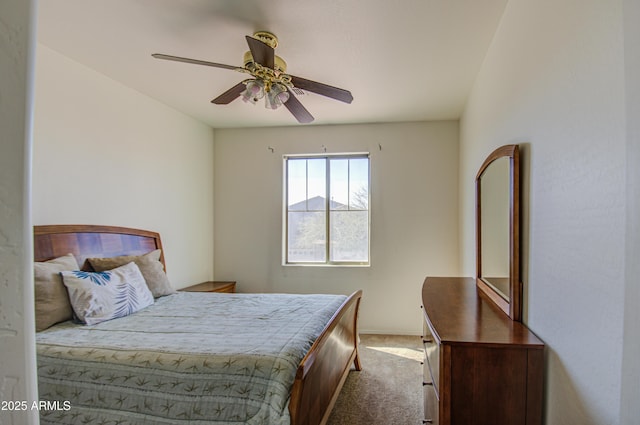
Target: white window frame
pixel 285 221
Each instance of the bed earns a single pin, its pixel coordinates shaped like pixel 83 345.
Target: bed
pixel 166 363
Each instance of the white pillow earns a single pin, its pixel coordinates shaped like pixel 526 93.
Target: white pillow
pixel 99 296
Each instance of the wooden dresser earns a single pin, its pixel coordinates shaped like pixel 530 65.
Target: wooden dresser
pixel 481 368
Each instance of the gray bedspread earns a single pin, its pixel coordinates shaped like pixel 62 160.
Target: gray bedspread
pixel 191 358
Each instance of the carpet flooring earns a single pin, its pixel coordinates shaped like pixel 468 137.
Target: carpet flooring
pixel 388 390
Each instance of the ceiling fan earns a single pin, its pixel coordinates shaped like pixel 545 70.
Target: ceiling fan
pixel 269 79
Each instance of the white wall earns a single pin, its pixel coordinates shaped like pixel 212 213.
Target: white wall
pixel 414 214
pixel 105 154
pixel 630 408
pixel 17 345
pixel 553 80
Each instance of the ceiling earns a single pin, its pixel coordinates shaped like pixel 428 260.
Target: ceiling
pixel 407 60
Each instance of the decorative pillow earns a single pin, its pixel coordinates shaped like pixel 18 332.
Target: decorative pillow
pixel 149 265
pixel 101 296
pixel 51 298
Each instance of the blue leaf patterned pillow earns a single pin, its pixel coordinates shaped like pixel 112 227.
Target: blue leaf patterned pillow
pixel 99 296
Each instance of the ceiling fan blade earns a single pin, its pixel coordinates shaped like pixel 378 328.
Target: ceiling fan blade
pixel 262 53
pixel 230 95
pixel 323 89
pixel 297 110
pixel 194 61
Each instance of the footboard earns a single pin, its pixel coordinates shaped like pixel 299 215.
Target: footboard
pixel 324 369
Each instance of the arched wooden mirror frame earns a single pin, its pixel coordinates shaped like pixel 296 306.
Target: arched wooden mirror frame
pixel 513 305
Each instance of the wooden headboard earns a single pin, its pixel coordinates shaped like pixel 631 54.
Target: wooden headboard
pixel 88 241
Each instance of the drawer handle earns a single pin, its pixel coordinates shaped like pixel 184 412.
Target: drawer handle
pixel 427 383
pixel 427 421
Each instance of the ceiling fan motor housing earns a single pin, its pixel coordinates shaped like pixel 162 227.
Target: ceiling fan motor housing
pixel 279 64
pixel 270 40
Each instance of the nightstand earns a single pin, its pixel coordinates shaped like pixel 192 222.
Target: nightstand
pixel 212 286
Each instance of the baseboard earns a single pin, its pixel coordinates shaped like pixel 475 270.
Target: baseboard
pixel 387 332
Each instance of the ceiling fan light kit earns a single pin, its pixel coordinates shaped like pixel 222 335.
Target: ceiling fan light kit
pixel 269 79
pixel 275 95
pixel 253 92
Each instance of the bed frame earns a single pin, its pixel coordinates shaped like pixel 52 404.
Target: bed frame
pixel 320 374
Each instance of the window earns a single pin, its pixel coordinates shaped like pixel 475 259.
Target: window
pixel 327 209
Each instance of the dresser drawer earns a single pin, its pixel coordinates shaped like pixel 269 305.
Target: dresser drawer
pixel 431 412
pixel 432 355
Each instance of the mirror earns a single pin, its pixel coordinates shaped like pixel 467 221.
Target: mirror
pixel 498 230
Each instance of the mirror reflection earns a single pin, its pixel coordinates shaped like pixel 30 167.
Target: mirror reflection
pixel 495 226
